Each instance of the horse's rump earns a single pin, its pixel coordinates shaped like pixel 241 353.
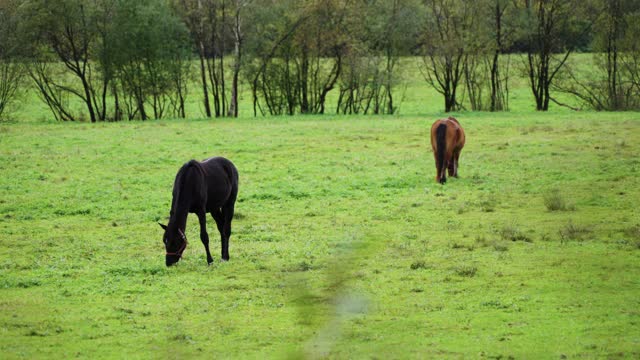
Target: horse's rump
pixel 447 140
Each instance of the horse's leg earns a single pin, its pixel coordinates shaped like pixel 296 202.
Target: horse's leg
pixel 219 218
pixel 435 156
pixel 203 235
pixel 452 166
pixel 443 172
pixel 456 156
pixel 227 213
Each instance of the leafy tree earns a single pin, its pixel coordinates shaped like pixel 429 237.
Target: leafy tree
pixel 149 54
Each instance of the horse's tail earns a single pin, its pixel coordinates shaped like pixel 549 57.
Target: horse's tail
pixel 441 149
pixel 232 174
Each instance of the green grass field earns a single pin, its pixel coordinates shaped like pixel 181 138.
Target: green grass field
pixel 343 245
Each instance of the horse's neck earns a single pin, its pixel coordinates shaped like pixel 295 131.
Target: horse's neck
pixel 178 219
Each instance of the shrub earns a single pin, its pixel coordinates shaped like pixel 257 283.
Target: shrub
pixel 466 270
pixel 419 265
pixel 512 233
pixel 554 201
pixel 572 231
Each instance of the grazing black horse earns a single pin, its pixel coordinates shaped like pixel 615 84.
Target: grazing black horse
pixel 201 187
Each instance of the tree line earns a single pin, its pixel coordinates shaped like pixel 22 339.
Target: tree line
pixel 125 59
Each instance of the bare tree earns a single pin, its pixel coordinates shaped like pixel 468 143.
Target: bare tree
pixel 630 58
pixel 446 47
pixel 384 31
pixel 303 63
pixel 552 23
pixel 66 30
pixel 499 80
pixel 611 86
pixel 193 14
pixel 486 71
pixel 237 56
pixel 11 70
pixel 208 24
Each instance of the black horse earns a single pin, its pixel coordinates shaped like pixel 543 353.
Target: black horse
pixel 201 187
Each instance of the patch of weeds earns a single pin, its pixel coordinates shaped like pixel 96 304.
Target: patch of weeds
pixel 495 304
pixel 416 265
pixel 457 245
pixel 633 232
pixel 410 236
pixel 481 241
pixel 154 270
pixel 488 204
pixel 23 284
pixel 498 246
pixel 264 196
pixel 476 179
pixel 465 270
pixel 266 237
pixel 395 183
pixel 554 201
pixel 123 310
pixel 512 233
pixel 181 338
pixel 621 144
pixel 300 267
pixel 297 194
pixel 463 208
pixel 573 232
pixel 37 333
pixel 122 271
pixel 72 212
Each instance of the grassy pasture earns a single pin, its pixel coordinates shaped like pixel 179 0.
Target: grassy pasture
pixel 343 245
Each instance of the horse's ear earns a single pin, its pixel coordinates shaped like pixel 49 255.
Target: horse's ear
pixel 163 226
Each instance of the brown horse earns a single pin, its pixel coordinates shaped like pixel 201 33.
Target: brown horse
pixel 447 140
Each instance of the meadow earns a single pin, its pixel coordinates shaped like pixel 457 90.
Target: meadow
pixel 343 245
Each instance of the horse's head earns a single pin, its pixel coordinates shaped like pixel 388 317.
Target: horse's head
pixel 174 243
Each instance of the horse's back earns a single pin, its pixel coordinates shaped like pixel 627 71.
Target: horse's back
pixel 221 178
pixel 454 131
pixel 459 131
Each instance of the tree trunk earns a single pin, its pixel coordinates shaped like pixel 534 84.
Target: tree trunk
pixel 222 51
pixel 304 80
pixel 233 105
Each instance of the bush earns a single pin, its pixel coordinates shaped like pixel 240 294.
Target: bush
pixel 554 201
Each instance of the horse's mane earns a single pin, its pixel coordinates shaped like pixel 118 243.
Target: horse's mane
pixel 178 190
